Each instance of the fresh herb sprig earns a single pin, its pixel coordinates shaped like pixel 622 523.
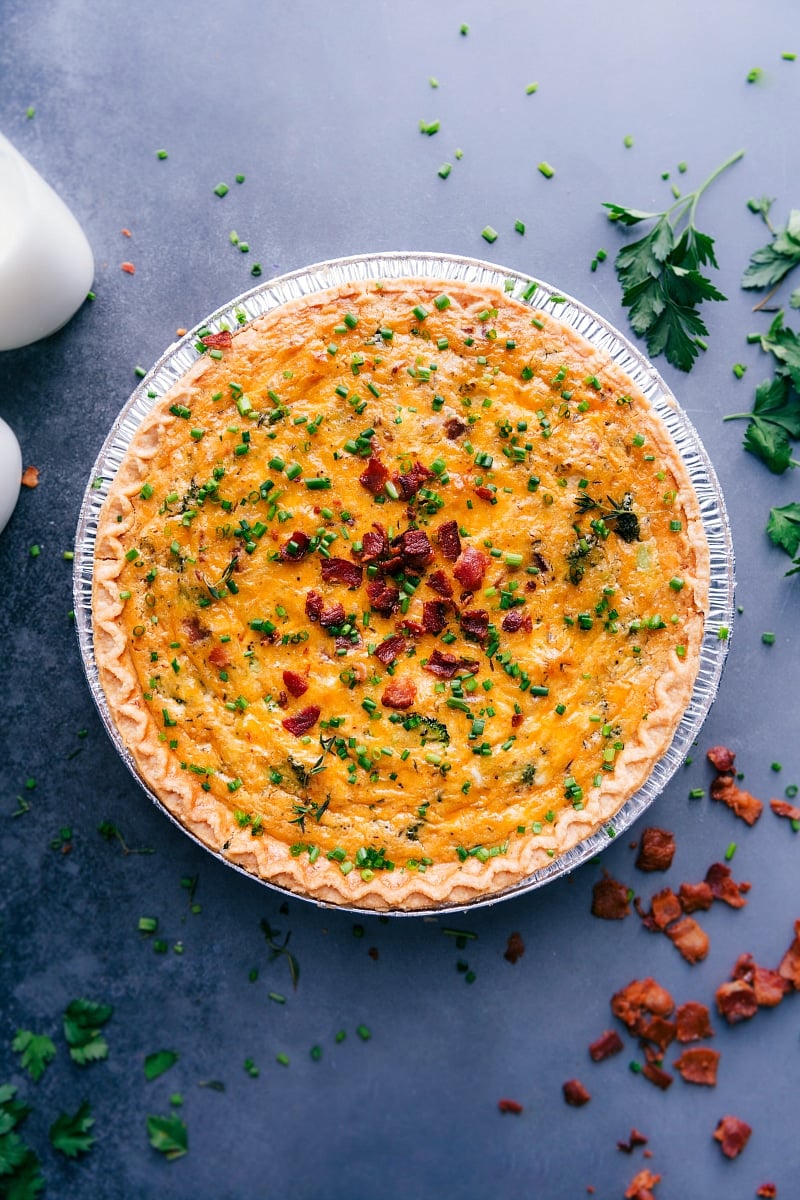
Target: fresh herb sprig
pixel 770 264
pixel 662 284
pixel 783 529
pixel 70 1134
pixel 36 1050
pixel 281 950
pixel 774 421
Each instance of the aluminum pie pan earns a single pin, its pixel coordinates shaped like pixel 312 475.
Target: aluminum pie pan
pixel 239 313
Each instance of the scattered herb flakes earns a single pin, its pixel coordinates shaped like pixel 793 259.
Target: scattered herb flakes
pixel 70 1134
pixel 430 127
pixel 158 1062
pixel 662 285
pixel 36 1050
pixel 83 1020
pixel 168 1135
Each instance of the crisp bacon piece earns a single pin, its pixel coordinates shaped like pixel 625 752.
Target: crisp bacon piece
pixel 575 1093
pixel 471 568
pixel 390 649
pixel 721 759
pixel 636 1139
pixel 659 1031
pixel 296 684
pixel 698 1065
pixel 690 939
pixel 384 600
pixel 741 803
pixel 438 582
pixel 510 1106
pixel 517 719
pixel 332 614
pixel 195 632
pixel 341 570
pixel 434 616
pixel 736 1001
pixel 639 997
pixel 656 850
pixel 515 948
pixel 412 628
pixel 374 476
pixel 414 548
pixel 313 605
pixel 516 619
pixel 664 908
pixel 718 878
pixel 454 428
pixel 657 1075
pixel 449 540
pixel 485 493
pixel 347 643
pixel 606 1046
pixel 641 1186
pixel 445 666
pixel 732 1135
pixel 767 1191
pixel 695 897
pixel 769 986
pixel 409 484
pixel 789 966
pixel 218 341
pixel 128 268
pixel 782 808
pixel 296 547
pixel 610 899
pixel 30 477
pixel 475 624
pixel 374 544
pixel 693 1022
pixel 401 693
pixel 301 722
pixel 218 657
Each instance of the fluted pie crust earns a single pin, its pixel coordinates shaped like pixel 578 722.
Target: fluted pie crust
pixel 433 463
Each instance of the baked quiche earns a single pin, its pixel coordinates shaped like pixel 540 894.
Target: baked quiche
pixel 399 593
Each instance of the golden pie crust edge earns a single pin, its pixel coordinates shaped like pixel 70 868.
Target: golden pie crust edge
pixel 212 823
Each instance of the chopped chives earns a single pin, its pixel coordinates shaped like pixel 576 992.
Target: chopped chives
pixel 489 235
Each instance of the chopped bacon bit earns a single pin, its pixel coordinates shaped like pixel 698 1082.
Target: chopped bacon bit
pixel 374 953
pixel 341 570
pixel 485 493
pixel 374 476
pixel 608 1044
pixel 510 1106
pixel 218 341
pixel 445 666
pixel 690 939
pixel 781 808
pixel 454 428
pixel 640 1187
pixel 384 600
pixel 789 966
pixel 656 850
pixel 128 268
pixel 449 540
pixel 313 605
pixel 732 1135
pixel 768 986
pixel 414 547
pixel 434 616
pixel 409 484
pixel 401 693
pixel 347 643
pixel 610 899
pixel 438 582
pixel 412 628
pixel 30 477
pixel 695 897
pixel 387 651
pixel 374 544
pixel 475 624
pixel 517 619
pixel 299 539
pixel 698 1065
pixel 218 657
pixel 332 614
pixel 517 719
pixel 718 878
pixel 639 997
pixel 471 568
pixel 664 908
pixel 195 632
pixel 657 1075
pixel 659 1031
pixel 126 233
pixel 515 948
pixel 721 759
pixel 636 1139
pixel 575 1093
pixel 736 1001
pixel 693 1022
pixel 301 722
pixel 767 1191
pixel 180 332
pixel 740 802
pixel 296 684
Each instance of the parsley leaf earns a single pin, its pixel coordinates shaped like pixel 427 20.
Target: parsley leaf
pixel 157 1063
pixel 83 1020
pixel 784 344
pixel 26 1182
pixel 771 263
pixel 775 419
pixel 20 1178
pixel 168 1135
pixel 70 1134
pixel 36 1051
pixel 783 527
pixel 662 284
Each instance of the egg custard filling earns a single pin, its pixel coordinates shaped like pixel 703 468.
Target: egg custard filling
pixel 399 593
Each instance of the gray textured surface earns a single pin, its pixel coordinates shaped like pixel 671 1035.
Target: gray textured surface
pixel 318 106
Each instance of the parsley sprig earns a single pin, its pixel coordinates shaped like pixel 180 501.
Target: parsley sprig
pixel 774 421
pixel 36 1050
pixel 662 284
pixel 83 1020
pixel 770 264
pixel 783 529
pixel 70 1133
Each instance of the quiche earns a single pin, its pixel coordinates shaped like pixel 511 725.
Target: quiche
pixel 399 593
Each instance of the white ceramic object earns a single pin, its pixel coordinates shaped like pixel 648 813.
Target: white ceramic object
pixel 46 263
pixel 10 472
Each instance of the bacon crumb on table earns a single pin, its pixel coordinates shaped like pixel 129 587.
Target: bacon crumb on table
pixel 767 1191
pixel 515 948
pixel 659 1031
pixel 689 938
pixel 640 1187
pixel 736 1001
pixel 768 986
pixel 721 759
pixel 741 803
pixel 608 1044
pixel 695 897
pixel 723 887
pixel 510 1106
pixel 639 997
pixel 128 268
pixel 636 1139
pixel 665 907
pixel 610 899
pixel 733 1135
pixel 789 966
pixel 30 477
pixel 575 1093
pixel 656 849
pixel 699 1065
pixel 693 1022
pixel 657 1075
pixel 781 808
